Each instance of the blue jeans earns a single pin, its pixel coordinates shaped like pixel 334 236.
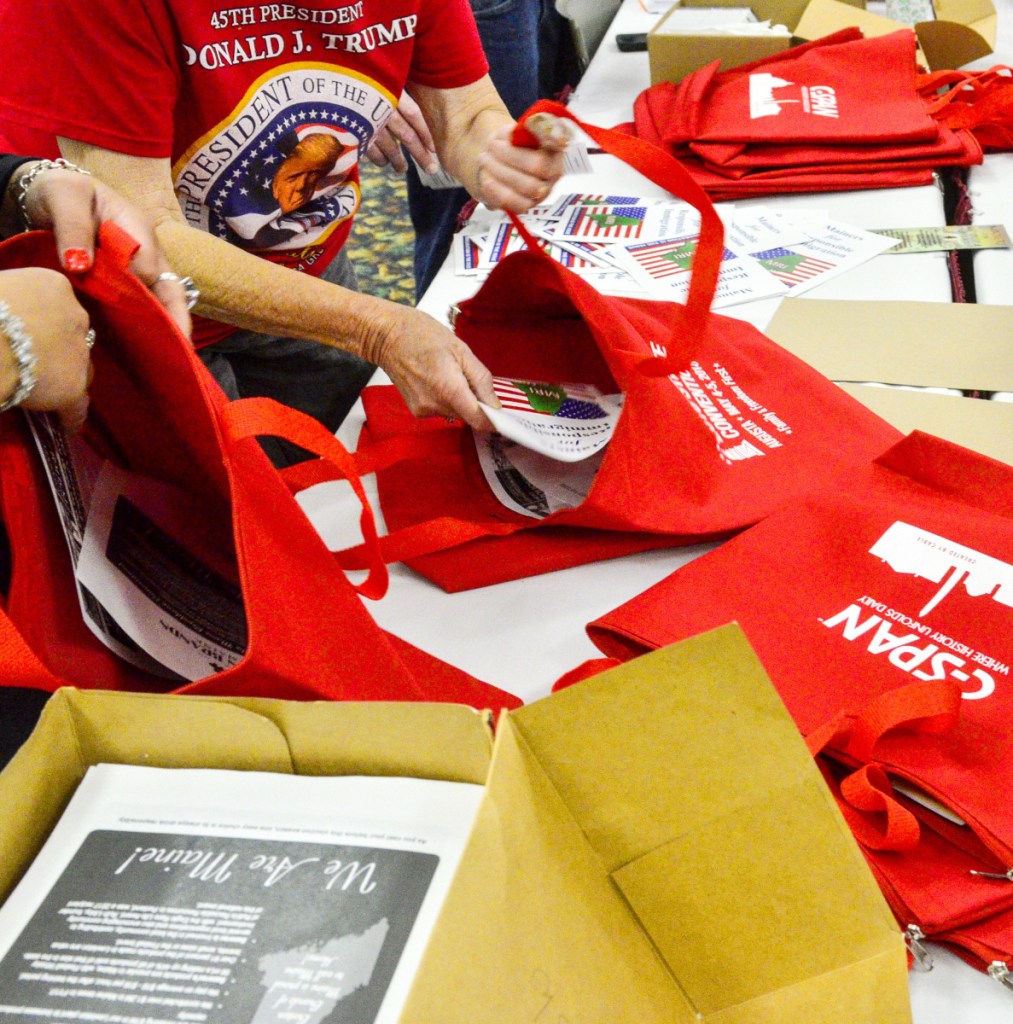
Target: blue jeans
pixel 316 379
pixel 517 36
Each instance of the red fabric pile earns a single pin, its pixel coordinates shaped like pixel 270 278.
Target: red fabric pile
pixel 843 112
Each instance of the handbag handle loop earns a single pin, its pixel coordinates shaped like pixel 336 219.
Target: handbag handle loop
pixel 664 170
pixel 253 417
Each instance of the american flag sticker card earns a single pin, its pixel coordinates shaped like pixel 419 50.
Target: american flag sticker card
pixel 467 254
pixel 664 267
pixel 504 239
pixel 831 249
pixel 604 223
pixel 792 266
pixel 563 206
pixel 567 422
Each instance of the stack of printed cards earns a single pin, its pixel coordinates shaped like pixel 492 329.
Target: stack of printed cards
pixel 628 245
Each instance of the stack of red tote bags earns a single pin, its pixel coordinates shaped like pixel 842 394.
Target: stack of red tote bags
pixel 883 613
pixel 843 112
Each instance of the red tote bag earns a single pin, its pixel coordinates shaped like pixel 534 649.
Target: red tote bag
pixel 899 585
pixel 719 427
pixel 816 93
pixel 987 945
pixel 156 411
pixel 941 882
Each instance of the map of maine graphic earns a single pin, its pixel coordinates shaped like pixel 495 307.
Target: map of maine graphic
pixel 908 549
pixel 308 982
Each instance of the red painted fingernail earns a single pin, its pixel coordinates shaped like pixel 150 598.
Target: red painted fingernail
pixel 77 260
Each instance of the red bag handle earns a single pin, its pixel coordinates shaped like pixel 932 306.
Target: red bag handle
pixel 664 170
pixel 868 791
pixel 248 418
pixel 928 707
pixel 410 542
pixel 980 102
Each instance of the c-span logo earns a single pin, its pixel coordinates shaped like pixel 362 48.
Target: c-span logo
pixel 919 553
pixel 769 95
pixel 914 646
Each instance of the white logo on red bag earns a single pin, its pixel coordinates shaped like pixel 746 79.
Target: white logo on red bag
pixel 908 549
pixel 819 100
pixel 912 645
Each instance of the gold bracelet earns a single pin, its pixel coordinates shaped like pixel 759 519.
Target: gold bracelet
pixel 26 180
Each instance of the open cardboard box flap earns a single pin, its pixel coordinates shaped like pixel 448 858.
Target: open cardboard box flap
pixel 963 31
pixel 655 844
pixel 912 343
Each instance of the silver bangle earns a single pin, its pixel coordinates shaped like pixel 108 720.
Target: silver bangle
pixel 20 341
pixel 27 179
pixel 190 289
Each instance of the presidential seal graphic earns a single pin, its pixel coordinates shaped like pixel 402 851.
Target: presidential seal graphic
pixel 282 172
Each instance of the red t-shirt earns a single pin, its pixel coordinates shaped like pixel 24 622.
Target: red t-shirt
pixel 263 109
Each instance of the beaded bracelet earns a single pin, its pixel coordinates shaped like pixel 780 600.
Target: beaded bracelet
pixel 27 179
pixel 13 329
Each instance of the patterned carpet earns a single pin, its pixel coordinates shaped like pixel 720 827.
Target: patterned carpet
pixel 382 241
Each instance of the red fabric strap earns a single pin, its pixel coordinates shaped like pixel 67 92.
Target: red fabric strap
pixel 254 417
pixel 425 538
pixel 869 790
pixel 666 171
pixel 930 707
pixel 373 457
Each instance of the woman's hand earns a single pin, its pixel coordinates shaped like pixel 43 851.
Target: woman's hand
pixel 73 205
pixel 436 373
pixel 406 126
pixel 516 178
pixel 44 302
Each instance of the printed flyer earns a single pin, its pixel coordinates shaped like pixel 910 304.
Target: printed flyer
pixel 568 422
pixel 227 897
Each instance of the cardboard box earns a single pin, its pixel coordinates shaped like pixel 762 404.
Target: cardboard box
pixel 655 845
pixel 674 54
pixel 963 31
pixel 918 344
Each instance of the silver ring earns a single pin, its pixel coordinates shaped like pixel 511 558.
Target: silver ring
pixel 190 290
pixel 89 338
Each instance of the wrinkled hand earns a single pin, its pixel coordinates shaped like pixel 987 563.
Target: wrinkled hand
pixel 436 373
pixel 74 205
pixel 405 126
pixel 514 178
pixel 57 324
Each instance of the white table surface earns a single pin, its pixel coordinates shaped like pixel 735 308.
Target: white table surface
pixel 523 635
